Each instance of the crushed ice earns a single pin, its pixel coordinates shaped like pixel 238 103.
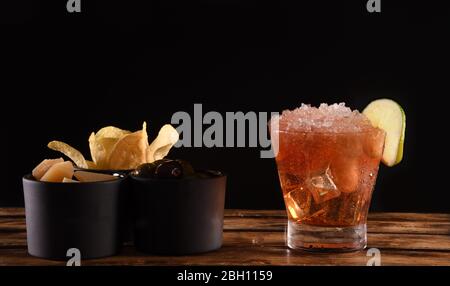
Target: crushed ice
pixel 326 118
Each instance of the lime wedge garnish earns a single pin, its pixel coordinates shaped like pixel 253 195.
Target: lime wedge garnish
pixel 388 115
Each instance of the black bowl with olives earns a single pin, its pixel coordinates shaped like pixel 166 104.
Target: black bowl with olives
pixel 178 210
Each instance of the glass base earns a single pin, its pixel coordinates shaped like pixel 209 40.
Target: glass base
pixel 326 239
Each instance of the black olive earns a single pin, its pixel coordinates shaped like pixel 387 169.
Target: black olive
pixel 187 167
pixel 146 170
pixel 168 169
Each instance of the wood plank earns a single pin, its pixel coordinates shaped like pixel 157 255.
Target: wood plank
pixel 381 241
pixel 257 256
pixel 409 241
pixel 12 225
pixel 255 213
pixel 407 227
pixel 13 239
pixel 12 212
pixel 373 216
pixel 277 239
pixel 279 224
pixel 405 217
pixel 258 238
pixel 255 223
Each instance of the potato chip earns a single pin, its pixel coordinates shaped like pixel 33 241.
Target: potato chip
pixel 102 143
pixel 160 147
pixel 130 151
pixel 108 145
pixel 111 132
pixel 70 152
pixel 97 151
pixel 118 149
pixel 91 165
pixel 101 149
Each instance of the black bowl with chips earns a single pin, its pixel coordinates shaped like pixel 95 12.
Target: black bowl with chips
pixel 125 202
pixel 63 216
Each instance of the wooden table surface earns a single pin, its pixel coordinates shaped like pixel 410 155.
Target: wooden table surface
pixel 258 238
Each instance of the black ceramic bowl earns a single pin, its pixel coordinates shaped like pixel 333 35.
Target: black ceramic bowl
pixel 125 202
pixel 178 216
pixel 60 216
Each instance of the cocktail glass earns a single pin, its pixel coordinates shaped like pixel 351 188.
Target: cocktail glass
pixel 327 175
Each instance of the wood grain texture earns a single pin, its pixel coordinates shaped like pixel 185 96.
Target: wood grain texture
pixel 257 237
pixel 12 212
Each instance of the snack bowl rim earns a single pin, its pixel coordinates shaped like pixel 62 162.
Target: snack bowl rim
pixel 29 178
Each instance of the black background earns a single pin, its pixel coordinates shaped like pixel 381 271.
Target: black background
pixel 123 62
